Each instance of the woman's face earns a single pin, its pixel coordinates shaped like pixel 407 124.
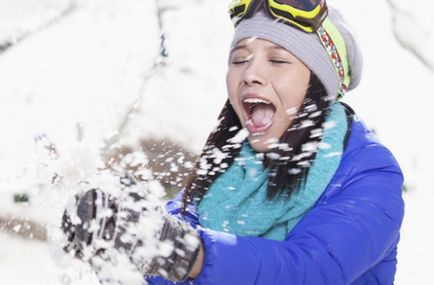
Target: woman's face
pixel 266 86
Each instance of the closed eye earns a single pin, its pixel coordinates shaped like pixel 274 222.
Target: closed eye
pixel 239 61
pixel 279 61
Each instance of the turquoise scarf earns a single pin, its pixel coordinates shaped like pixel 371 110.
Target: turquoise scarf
pixel 237 200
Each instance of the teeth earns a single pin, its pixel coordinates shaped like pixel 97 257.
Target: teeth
pixel 255 101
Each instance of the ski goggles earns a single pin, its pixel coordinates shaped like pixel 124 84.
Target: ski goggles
pixel 306 15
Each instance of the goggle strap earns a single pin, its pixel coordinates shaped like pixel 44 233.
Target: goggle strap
pixel 252 8
pixel 335 46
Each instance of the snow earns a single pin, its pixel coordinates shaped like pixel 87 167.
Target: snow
pixel 413 28
pixel 30 262
pixel 16 21
pixel 72 82
pixel 188 93
pixel 75 78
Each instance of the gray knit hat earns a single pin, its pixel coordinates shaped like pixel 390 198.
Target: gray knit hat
pixel 307 47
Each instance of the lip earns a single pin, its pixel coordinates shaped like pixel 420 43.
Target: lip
pixel 247 117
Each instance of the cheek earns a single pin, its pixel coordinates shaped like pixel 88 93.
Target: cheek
pixel 229 83
pixel 231 86
pixel 294 92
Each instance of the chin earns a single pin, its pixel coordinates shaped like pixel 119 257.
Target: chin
pixel 259 147
pixel 261 144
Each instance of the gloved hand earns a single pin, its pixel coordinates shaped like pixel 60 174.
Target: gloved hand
pixel 154 241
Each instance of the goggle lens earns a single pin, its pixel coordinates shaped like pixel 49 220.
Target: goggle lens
pixel 306 5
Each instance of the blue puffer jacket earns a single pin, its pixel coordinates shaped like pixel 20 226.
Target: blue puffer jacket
pixel 349 237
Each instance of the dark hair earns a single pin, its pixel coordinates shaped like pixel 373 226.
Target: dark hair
pixel 289 161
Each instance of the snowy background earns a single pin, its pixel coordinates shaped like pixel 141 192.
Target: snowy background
pixel 82 80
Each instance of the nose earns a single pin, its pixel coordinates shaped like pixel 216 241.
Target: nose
pixel 254 73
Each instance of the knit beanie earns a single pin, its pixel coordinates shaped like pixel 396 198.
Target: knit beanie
pixel 310 50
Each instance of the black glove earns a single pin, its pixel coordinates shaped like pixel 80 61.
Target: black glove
pixel 132 225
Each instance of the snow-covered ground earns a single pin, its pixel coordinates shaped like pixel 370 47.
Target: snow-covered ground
pixel 76 76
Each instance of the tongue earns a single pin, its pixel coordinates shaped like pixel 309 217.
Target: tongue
pixel 262 115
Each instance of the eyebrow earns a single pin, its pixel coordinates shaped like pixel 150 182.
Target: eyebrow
pixel 276 47
pixel 238 47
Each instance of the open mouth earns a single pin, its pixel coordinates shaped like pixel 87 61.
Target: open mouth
pixel 260 114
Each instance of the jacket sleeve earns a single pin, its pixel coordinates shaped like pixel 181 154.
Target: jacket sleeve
pixel 335 242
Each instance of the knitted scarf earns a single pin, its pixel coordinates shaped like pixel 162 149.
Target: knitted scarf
pixel 237 200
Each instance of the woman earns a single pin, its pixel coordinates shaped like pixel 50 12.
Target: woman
pixel 291 187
